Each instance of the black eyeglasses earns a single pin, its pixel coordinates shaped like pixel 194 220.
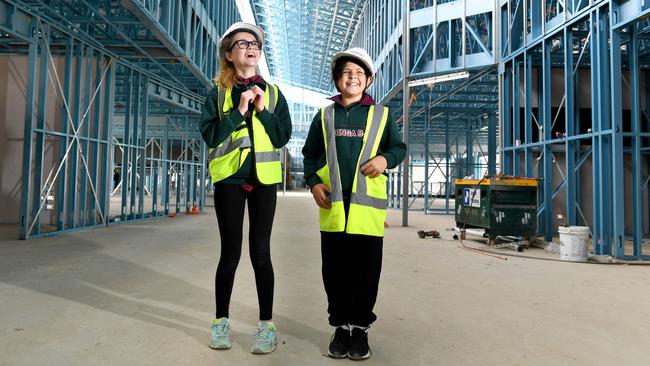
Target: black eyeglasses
pixel 245 44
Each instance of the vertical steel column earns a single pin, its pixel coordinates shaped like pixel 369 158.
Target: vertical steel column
pixel 492 145
pixel 595 139
pixel 109 149
pixel 62 190
pixel 135 146
pixel 607 140
pixel 83 137
pixel 516 116
pixel 151 158
pixel 75 106
pixel 187 167
pixel 95 137
pixel 637 140
pixel 426 156
pixel 30 96
pixel 469 148
pixel 447 158
pixel 616 195
pixel 406 96
pixel 143 142
pixel 124 173
pixel 154 164
pixel 571 189
pixel 459 168
pixel 545 109
pixel 528 113
pixel 39 143
pixel 600 88
pixel 165 168
pixel 647 104
pixel 506 120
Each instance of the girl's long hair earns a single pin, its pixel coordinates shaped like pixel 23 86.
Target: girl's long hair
pixel 227 73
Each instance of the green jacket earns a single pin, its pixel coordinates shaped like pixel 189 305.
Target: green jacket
pixel 277 125
pixel 350 126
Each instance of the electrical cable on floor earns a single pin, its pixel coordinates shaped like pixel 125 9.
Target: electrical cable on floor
pixel 634 263
pixel 503 256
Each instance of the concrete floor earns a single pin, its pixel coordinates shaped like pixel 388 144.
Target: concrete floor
pixel 142 294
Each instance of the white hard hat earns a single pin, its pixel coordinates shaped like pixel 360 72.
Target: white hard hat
pixel 244 27
pixel 357 54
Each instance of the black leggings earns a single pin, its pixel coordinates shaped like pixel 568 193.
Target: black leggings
pixel 229 201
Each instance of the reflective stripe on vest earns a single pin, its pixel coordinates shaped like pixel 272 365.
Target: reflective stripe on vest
pixel 368 199
pixel 267 158
pixel 226 159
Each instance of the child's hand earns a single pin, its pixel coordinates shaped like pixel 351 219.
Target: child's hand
pixel 245 98
pixel 374 167
pixel 258 101
pixel 321 195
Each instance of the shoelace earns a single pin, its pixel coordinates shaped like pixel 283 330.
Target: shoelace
pixel 220 330
pixel 263 335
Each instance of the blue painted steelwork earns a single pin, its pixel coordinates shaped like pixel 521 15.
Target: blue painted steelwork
pixel 123 61
pixel 589 152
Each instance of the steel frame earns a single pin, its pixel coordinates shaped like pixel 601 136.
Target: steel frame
pixel 597 47
pixel 99 65
pixel 442 37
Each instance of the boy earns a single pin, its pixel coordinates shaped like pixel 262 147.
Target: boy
pixel 349 146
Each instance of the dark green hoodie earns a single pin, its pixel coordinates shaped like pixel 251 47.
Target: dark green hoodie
pixel 350 124
pixel 277 125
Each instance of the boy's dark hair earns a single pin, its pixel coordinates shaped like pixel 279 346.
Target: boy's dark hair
pixel 337 71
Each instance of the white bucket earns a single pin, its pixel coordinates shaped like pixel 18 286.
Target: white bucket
pixel 573 243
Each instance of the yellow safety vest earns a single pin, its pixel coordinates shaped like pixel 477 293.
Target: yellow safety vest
pixel 368 200
pixel 226 159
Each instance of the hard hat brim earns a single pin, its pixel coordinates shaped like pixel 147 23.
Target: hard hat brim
pixel 354 56
pixel 243 27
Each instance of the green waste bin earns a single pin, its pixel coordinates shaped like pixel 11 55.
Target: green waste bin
pixel 503 207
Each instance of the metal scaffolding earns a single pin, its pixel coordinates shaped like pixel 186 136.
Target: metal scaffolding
pixel 100 77
pixel 573 112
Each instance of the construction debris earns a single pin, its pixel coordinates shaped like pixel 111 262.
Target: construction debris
pixel 423 234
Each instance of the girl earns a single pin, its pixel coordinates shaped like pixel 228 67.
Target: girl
pixel 244 121
pixel 349 145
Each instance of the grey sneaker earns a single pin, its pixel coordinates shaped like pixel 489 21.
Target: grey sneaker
pixel 220 334
pixel 266 338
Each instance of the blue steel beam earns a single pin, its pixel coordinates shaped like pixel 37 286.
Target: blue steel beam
pixel 615 178
pixel 637 141
pixel 547 162
pixel 572 147
pixel 30 95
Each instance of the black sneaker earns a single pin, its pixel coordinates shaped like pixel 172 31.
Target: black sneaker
pixel 359 349
pixel 339 343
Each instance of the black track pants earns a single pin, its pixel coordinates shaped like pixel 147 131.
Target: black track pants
pixel 351 271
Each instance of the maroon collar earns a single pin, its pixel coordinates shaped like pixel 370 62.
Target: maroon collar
pixel 250 81
pixel 365 100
